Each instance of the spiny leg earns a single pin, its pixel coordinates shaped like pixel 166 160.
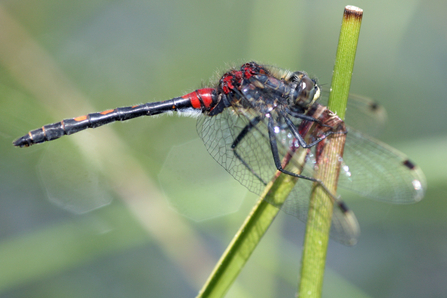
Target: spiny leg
pixel 276 159
pixel 305 117
pixel 298 136
pixel 253 122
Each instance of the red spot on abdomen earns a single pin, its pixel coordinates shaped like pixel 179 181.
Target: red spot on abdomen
pixel 194 99
pixel 205 94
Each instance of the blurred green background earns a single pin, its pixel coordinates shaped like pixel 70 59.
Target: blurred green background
pixel 60 59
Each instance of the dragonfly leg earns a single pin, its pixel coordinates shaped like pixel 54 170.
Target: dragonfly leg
pixel 303 116
pixel 307 118
pixel 301 140
pixel 276 159
pixel 253 122
pixel 298 136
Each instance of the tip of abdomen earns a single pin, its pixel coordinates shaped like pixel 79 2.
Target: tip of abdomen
pixel 24 141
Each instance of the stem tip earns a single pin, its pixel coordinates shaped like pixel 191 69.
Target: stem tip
pixel 353 12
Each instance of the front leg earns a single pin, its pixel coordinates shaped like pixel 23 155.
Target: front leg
pixel 274 147
pixel 298 136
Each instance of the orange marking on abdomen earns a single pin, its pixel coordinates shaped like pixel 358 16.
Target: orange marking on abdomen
pixel 80 118
pixel 106 112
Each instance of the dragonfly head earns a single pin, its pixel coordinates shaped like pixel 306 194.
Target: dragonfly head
pixel 306 89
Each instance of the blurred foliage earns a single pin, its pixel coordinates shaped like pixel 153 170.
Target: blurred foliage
pixel 60 59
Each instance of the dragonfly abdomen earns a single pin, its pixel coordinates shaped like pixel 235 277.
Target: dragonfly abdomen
pixel 200 100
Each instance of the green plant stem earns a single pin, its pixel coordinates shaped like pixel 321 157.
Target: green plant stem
pixel 321 206
pixel 344 60
pixel 251 232
pixel 248 237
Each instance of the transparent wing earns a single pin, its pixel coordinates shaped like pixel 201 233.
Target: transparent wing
pixel 363 113
pixel 372 168
pixel 378 171
pixel 218 134
pixel 344 229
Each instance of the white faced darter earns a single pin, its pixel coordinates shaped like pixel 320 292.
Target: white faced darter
pixel 255 120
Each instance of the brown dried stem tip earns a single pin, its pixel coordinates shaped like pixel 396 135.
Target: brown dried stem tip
pixel 353 12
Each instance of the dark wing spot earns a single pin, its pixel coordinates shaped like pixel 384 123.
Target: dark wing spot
pixel 374 106
pixel 409 164
pixel 343 207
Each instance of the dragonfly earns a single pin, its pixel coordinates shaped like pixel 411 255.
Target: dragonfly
pixel 254 120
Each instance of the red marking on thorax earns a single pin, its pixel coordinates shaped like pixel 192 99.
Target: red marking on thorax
pixel 248 73
pixel 227 84
pixel 229 79
pixel 251 70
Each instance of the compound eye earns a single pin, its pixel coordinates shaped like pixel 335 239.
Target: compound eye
pixel 308 92
pixel 306 85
